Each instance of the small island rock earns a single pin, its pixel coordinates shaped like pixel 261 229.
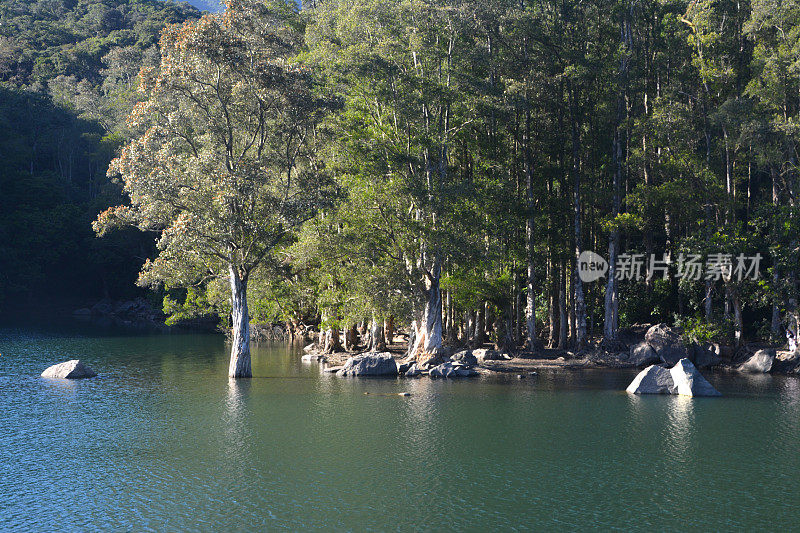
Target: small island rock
pixel 73 369
pixel 370 364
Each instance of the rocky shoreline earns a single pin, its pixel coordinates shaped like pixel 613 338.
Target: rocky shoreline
pixel 658 345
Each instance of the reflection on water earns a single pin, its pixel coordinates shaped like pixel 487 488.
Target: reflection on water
pixel 235 420
pixel 163 440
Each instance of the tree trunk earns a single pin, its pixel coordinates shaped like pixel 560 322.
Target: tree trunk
pixel 553 304
pixel 530 308
pixel 377 340
pixel 611 319
pixel 388 329
pixel 562 309
pixel 579 303
pixel 433 312
pixel 333 341
pixel 737 319
pixel 412 340
pixel 240 350
pixel 775 326
pixel 478 336
pixel 351 338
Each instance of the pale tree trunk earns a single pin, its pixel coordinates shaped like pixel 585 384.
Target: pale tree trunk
pixel 530 308
pixel 333 342
pixel 775 326
pixel 563 312
pixel 433 312
pixel 552 297
pixel 466 332
pixel 446 322
pixel 412 340
pixel 737 319
pixel 388 329
pixel 478 335
pixel 240 350
pixel 452 329
pixel 579 302
pixel 377 341
pixel 611 319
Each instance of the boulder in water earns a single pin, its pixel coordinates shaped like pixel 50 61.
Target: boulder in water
pixel 370 364
pixel 652 380
pixel 689 381
pixel 683 379
pixel 760 362
pixel 73 369
pixel 313 358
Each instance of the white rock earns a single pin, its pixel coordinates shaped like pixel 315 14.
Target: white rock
pixel 73 369
pixel 313 358
pixel 689 381
pixel 652 380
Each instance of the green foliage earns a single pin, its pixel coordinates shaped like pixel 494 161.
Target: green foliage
pixel 698 330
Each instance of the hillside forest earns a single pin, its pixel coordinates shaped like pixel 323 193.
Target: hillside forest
pixel 455 169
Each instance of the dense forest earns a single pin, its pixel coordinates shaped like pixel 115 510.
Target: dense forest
pixel 67 81
pixel 381 162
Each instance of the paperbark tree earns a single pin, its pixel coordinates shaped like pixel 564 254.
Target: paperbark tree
pixel 223 168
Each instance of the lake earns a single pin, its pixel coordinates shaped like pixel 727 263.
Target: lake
pixel 163 441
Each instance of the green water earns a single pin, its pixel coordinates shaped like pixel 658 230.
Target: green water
pixel 164 441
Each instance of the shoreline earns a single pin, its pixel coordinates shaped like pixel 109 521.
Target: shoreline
pixel 522 362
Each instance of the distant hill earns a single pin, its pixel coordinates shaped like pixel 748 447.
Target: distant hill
pixel 67 81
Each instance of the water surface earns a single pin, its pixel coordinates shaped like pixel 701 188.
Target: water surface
pixel 164 441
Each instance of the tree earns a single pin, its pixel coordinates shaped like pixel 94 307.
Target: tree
pixel 224 167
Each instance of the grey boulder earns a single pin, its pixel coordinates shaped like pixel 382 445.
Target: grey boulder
pixel 760 362
pixel 706 356
pixel 652 380
pixel 643 354
pixel 413 371
pixel 484 354
pixel 450 370
pixel 667 343
pixel 683 379
pixel 370 364
pixel 465 357
pixel 689 382
pixel 73 369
